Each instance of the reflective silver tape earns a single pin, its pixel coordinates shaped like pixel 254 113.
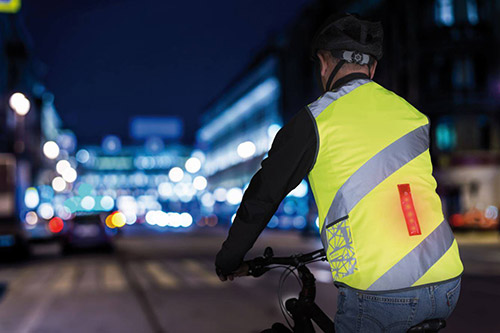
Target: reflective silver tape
pixel 416 263
pixel 376 170
pixel 331 96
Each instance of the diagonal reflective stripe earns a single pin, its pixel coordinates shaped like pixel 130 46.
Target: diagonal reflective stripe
pixel 376 170
pixel 331 96
pixel 416 263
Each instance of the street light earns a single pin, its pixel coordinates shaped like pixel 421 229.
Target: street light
pixel 19 103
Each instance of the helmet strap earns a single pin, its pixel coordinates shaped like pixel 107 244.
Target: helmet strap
pixel 332 75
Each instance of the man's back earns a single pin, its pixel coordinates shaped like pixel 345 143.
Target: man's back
pixel 372 144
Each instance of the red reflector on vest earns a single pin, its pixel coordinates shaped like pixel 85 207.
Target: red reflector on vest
pixel 409 210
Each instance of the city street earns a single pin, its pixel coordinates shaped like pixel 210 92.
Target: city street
pixel 165 283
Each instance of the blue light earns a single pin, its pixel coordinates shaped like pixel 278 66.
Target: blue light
pixel 444 12
pixel 111 144
pixel 274 222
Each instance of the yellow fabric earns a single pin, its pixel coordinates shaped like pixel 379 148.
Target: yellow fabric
pixel 352 130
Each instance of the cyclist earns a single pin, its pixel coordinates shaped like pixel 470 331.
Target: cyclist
pixel 365 150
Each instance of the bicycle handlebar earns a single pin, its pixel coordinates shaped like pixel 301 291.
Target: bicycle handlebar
pixel 260 265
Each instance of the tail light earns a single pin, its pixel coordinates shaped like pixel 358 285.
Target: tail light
pixel 409 210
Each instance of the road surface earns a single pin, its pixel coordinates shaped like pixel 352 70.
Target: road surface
pixel 165 283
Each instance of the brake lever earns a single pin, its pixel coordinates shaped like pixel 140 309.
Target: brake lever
pixel 257 266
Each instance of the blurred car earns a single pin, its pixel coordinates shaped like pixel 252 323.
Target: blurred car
pixel 13 240
pixel 86 232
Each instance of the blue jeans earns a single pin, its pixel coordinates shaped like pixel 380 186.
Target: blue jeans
pixel 394 311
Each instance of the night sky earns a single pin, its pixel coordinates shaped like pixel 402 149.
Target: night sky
pixel 108 60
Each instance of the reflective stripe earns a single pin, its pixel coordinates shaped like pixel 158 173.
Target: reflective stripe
pixel 331 96
pixel 376 170
pixel 416 263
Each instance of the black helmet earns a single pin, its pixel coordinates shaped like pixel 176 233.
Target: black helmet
pixel 361 39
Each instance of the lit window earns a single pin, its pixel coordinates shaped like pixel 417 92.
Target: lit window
pixel 444 12
pixel 472 15
pixel 446 135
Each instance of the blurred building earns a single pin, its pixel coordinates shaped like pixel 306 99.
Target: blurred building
pixel 441 55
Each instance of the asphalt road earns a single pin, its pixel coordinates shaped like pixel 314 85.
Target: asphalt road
pixel 165 283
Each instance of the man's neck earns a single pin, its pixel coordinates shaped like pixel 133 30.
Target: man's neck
pixel 347 77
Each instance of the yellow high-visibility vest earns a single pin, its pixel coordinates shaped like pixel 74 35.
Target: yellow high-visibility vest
pixel 380 217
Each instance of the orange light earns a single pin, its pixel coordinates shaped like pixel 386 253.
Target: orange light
pixel 409 210
pixel 56 225
pixel 109 222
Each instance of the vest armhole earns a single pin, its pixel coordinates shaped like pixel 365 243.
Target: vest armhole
pixel 313 120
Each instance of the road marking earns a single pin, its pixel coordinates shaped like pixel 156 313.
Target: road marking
pixel 138 272
pixel 197 269
pixel 64 281
pixel 161 277
pixel 175 267
pixel 89 280
pixel 113 277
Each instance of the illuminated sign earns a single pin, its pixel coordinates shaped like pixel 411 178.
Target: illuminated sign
pixel 10 6
pixel 156 127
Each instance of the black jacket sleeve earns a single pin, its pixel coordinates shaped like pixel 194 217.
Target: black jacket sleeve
pixel 289 160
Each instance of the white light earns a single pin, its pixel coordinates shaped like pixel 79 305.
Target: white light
pixel 300 191
pixel 82 156
pixel 20 104
pixel 174 220
pixel 130 218
pixel 58 184
pixel 46 211
pixel 63 212
pixel 51 150
pixel 193 165
pixel 31 197
pixel 246 149
pixel 491 212
pixel 31 218
pixel 165 190
pixel 151 217
pixel 62 166
pixel 317 222
pixel 199 155
pixel 87 202
pixel 200 183
pixel 162 218
pixel 234 196
pixel 232 218
pixel 70 175
pixel 186 220
pixel 176 174
pixel 272 130
pixel 107 203
pixel 207 200
pixel 220 194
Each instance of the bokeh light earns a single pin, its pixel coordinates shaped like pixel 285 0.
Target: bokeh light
pixel 46 211
pixel 31 197
pixel 234 196
pixel 119 219
pixel 51 150
pixel 82 156
pixel 176 174
pixel 56 225
pixel 31 218
pixel 62 165
pixel 58 184
pixel 200 183
pixel 193 165
pixel 246 149
pixel 19 103
pixel 70 175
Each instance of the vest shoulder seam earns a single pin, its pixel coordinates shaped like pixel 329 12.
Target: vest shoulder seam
pixel 313 120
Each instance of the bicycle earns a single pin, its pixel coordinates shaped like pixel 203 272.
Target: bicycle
pixel 304 310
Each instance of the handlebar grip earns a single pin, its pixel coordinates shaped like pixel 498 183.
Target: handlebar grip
pixel 257 266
